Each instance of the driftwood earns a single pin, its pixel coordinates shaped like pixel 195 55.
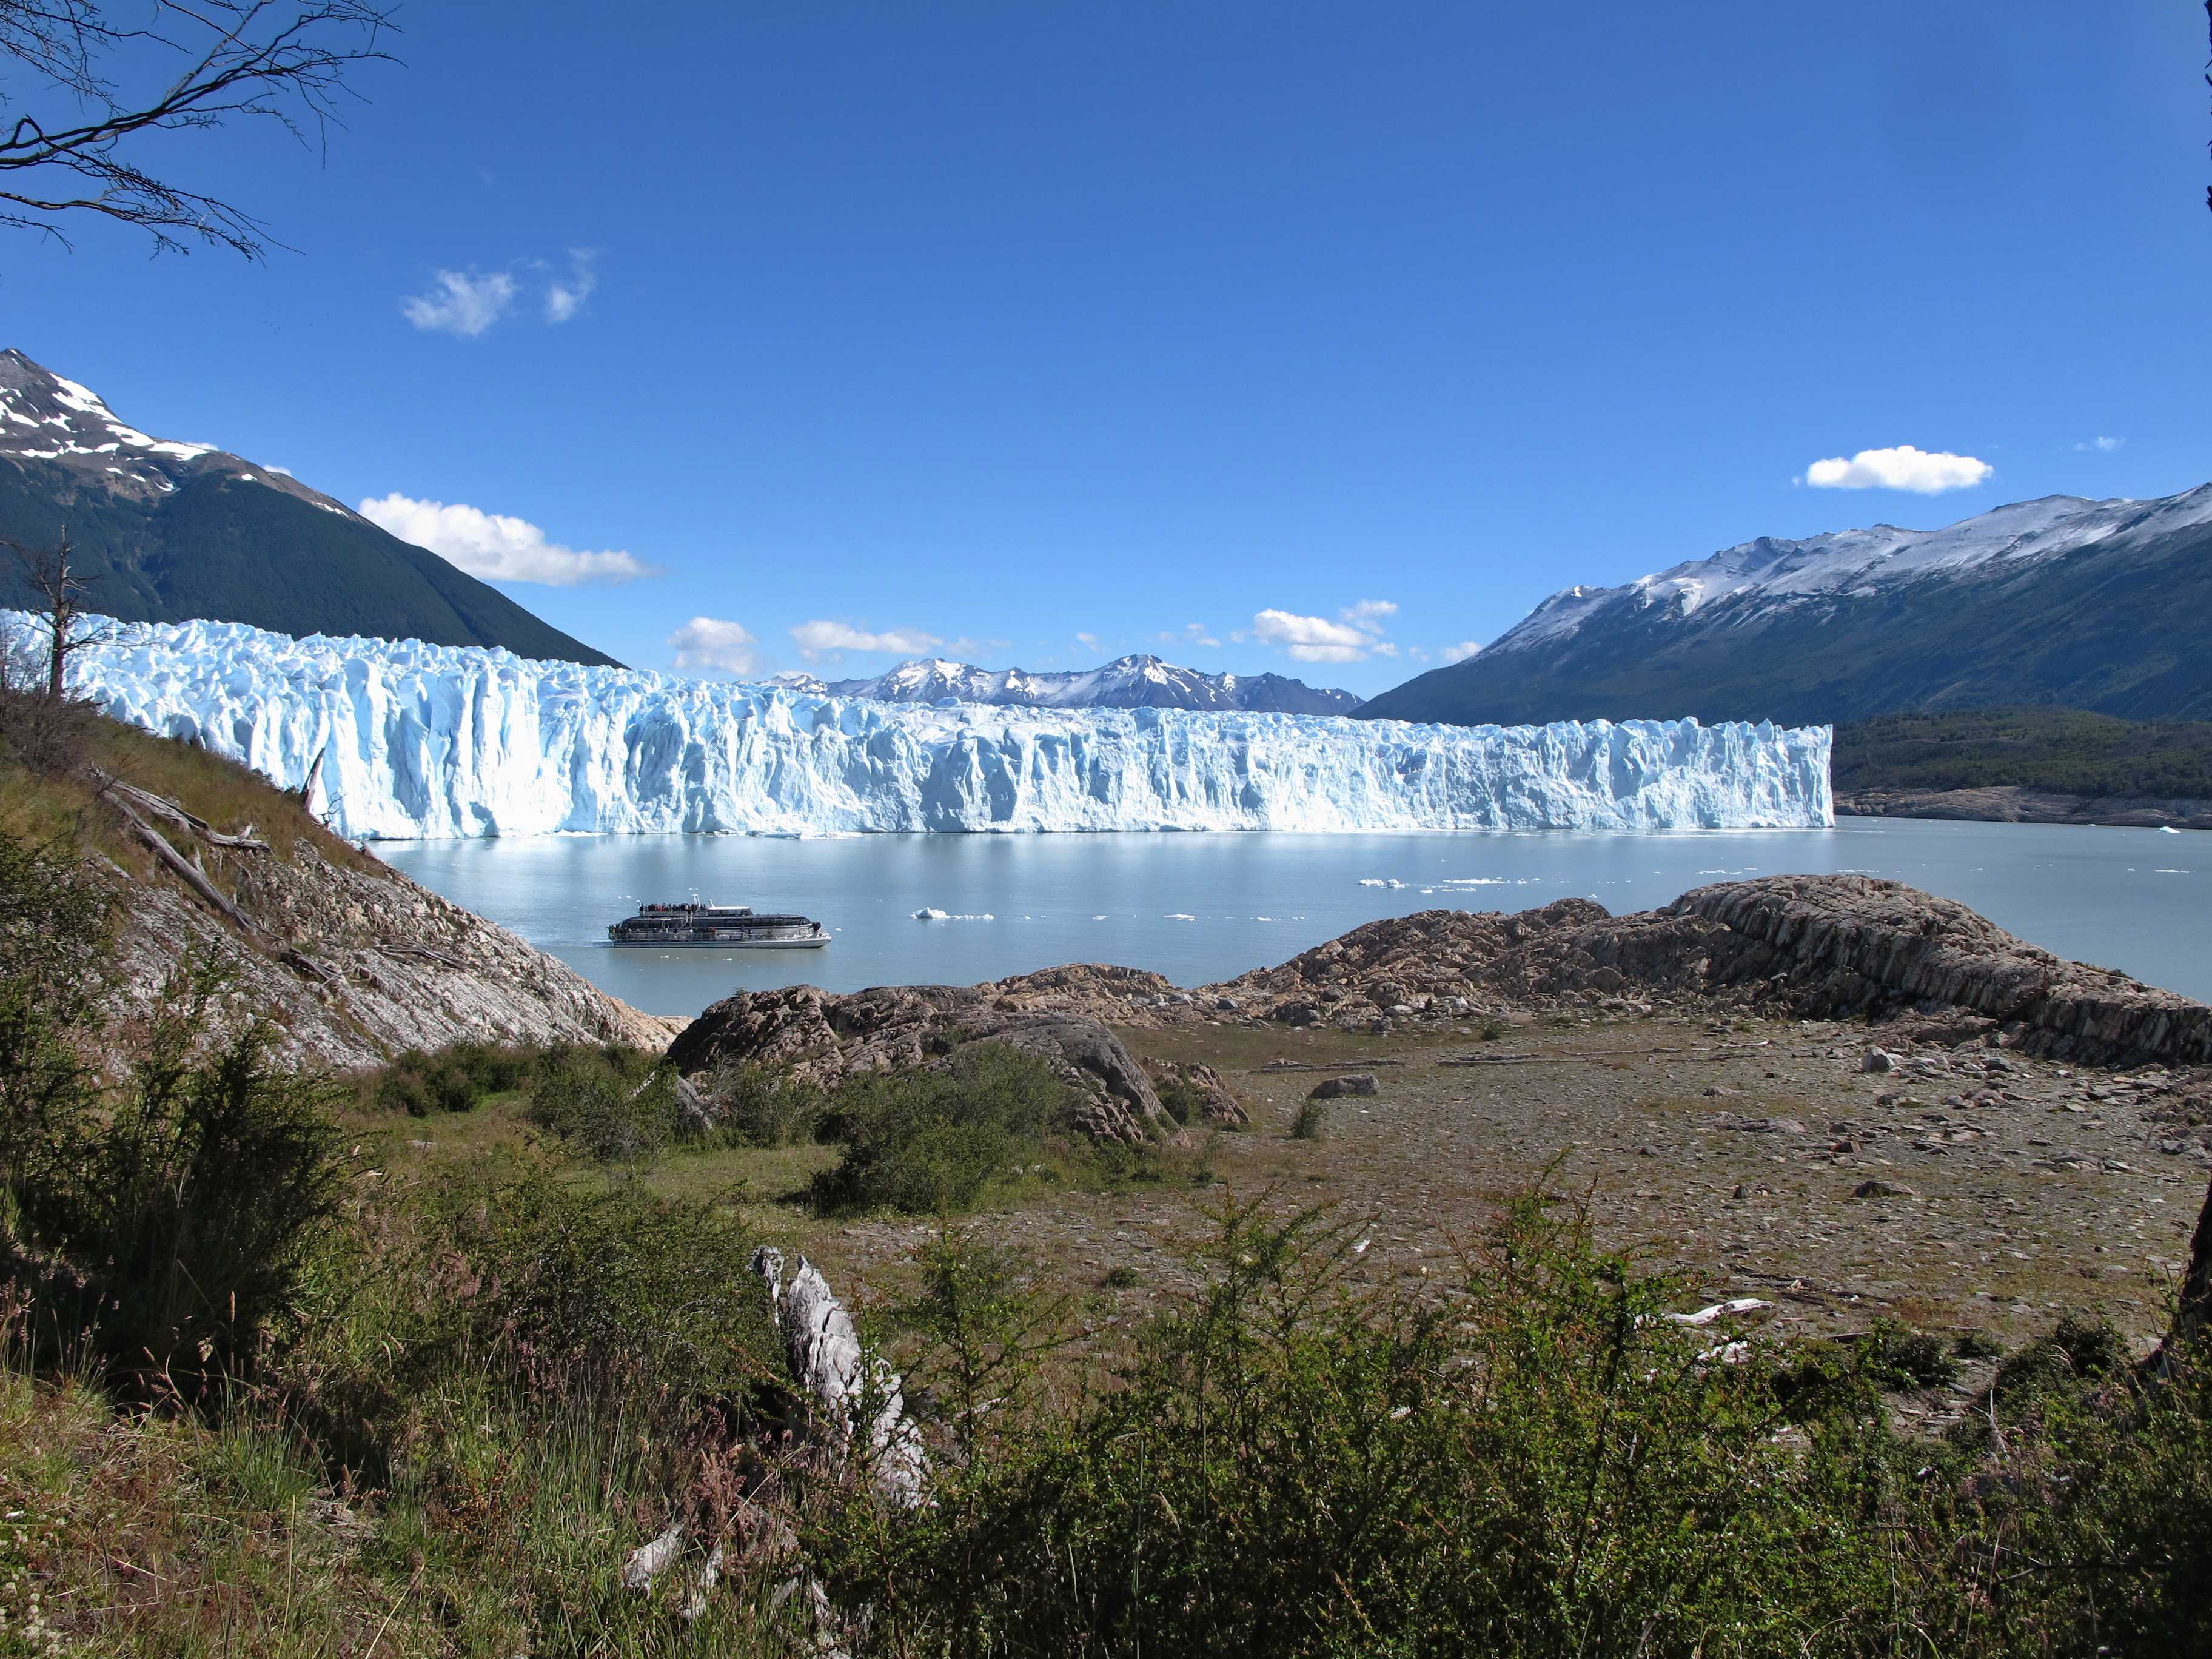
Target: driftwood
pixel 1275 1065
pixel 827 1363
pixel 166 810
pixel 186 870
pixel 314 770
pixel 307 966
pixel 442 958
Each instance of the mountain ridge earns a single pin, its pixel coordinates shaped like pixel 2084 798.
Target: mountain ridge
pixel 1137 681
pixel 2099 606
pixel 169 532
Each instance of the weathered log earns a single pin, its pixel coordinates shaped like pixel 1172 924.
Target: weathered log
pixel 827 1363
pixel 166 810
pixel 186 871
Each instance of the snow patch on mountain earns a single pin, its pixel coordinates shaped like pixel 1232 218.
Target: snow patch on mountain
pixel 1133 681
pixel 435 741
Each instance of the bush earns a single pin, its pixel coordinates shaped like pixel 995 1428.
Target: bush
pixel 1312 1121
pixel 458 1078
pixel 170 1226
pixel 613 1104
pixel 928 1140
pixel 759 1107
pixel 590 1291
pixel 2077 1348
pixel 1892 1357
pixel 1182 1099
pixel 1527 1460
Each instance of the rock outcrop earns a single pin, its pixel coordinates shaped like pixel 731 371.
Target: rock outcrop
pixel 352 964
pixel 1813 947
pixel 345 960
pixel 1203 1097
pixel 825 1038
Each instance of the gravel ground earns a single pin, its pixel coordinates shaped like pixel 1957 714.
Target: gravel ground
pixel 2003 1190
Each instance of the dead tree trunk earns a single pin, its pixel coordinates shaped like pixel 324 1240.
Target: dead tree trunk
pixel 61 593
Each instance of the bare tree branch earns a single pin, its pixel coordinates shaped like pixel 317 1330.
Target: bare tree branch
pixel 62 594
pixel 218 59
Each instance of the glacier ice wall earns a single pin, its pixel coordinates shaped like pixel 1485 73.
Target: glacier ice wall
pixel 436 741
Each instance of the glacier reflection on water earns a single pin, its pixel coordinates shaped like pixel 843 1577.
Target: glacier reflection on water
pixel 1201 908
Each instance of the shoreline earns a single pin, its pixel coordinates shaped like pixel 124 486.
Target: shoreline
pixel 2014 804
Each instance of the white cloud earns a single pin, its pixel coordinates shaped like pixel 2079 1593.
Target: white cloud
pixel 818 639
pixel 2106 445
pixel 1370 613
pixel 1356 637
pixel 461 302
pixel 564 298
pixel 1309 638
pixel 1925 472
pixel 496 547
pixel 1461 652
pixel 709 642
pixel 1088 642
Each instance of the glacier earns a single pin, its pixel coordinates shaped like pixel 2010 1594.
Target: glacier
pixel 421 741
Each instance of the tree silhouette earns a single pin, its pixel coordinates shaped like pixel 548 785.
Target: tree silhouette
pixel 102 87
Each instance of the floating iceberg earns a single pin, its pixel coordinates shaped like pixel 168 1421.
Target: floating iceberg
pixel 422 741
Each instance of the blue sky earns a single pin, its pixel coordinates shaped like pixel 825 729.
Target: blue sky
pixel 1042 330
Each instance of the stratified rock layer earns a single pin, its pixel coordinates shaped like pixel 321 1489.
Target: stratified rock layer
pixel 350 963
pixel 826 1038
pixel 1815 946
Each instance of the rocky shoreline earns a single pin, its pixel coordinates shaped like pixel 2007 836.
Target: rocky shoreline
pixel 1806 947
pixel 2012 804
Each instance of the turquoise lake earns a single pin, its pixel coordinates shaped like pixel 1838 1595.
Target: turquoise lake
pixel 1198 908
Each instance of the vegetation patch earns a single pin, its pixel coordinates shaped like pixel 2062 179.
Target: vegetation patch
pixel 2065 750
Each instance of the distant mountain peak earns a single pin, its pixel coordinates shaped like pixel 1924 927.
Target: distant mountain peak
pixel 2101 604
pixel 1138 681
pixel 170 531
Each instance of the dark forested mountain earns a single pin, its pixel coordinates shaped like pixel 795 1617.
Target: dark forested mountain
pixel 2101 605
pixel 168 531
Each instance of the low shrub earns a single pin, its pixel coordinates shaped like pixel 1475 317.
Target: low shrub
pixel 1312 1121
pixel 923 1141
pixel 1525 1460
pixel 1893 1357
pixel 614 1105
pixel 1182 1100
pixel 584 1289
pixel 757 1106
pixel 166 1225
pixel 457 1079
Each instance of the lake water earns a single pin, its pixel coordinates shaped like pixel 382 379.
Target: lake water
pixel 1198 908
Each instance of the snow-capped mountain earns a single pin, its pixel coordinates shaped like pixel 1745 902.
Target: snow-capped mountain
pixel 2103 605
pixel 1136 681
pixel 424 740
pixel 167 530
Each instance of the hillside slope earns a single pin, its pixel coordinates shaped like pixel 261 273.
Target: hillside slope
pixel 350 961
pixel 168 531
pixel 2101 605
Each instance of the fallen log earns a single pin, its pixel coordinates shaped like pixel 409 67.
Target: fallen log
pixel 186 871
pixel 166 810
